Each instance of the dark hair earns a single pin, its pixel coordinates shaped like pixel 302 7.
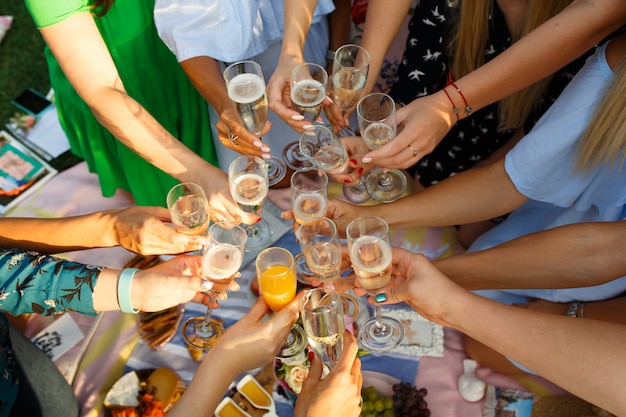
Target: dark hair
pixel 101 7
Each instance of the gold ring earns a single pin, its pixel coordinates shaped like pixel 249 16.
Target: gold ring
pixel 413 150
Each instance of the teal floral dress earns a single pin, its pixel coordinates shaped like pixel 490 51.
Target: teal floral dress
pixel 34 283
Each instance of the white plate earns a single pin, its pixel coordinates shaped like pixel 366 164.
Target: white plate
pixel 383 383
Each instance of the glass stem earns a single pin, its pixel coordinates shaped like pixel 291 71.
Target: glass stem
pixel 379 317
pixel 206 329
pixel 384 180
pixel 251 230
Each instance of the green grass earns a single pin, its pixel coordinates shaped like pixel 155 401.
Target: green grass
pixel 22 63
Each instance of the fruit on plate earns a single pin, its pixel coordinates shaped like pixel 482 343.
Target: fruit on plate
pixel 145 393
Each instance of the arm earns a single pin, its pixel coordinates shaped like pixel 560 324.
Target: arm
pixel 84 58
pixel 138 229
pixel 555 43
pixel 556 347
pixel 581 255
pixel 382 23
pixel 477 194
pixel 205 74
pixel 238 350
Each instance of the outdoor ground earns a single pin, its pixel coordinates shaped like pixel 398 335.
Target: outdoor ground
pixel 22 63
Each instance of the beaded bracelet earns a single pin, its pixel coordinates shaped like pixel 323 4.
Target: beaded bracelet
pixel 455 109
pixel 468 109
pixel 123 290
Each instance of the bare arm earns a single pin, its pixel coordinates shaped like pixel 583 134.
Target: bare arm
pixel 85 59
pixel 138 229
pixel 580 255
pixel 583 356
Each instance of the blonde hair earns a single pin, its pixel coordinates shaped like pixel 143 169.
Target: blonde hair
pixel 469 45
pixel 604 139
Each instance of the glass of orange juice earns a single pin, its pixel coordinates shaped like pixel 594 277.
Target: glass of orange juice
pixel 276 274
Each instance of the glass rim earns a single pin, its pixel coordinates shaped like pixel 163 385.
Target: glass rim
pixel 323 175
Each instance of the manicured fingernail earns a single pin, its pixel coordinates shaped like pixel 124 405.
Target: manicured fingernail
pixel 266 156
pixel 265 149
pixel 353 162
pixel 308 126
pixel 311 355
pixel 366 160
pixel 360 171
pixel 329 99
pixel 206 284
pixel 297 117
pixel 380 298
pixel 258 143
pixel 259 219
pixel 347 180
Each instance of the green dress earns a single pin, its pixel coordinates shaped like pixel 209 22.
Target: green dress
pixel 151 75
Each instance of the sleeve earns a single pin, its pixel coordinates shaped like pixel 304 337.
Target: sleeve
pixel 542 164
pixel 48 12
pixel 34 283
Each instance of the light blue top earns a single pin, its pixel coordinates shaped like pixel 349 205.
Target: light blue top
pixel 231 31
pixel 541 167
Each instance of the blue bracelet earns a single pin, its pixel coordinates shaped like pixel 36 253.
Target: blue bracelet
pixel 123 290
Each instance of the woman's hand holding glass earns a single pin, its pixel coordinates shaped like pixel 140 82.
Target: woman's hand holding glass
pixel 350 70
pixel 222 258
pixel 369 246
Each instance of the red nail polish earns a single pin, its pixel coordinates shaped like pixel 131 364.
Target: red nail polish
pixel 259 219
pixel 311 355
pixel 353 161
pixel 347 180
pixel 360 171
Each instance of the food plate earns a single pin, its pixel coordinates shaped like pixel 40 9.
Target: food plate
pixel 383 383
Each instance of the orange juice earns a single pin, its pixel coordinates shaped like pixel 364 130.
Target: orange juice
pixel 277 285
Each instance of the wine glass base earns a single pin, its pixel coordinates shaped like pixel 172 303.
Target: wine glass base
pixel 276 170
pixel 259 236
pixel 386 189
pixel 357 194
pixel 294 158
pixel 375 338
pixel 199 336
pixel 293 349
pixel 303 274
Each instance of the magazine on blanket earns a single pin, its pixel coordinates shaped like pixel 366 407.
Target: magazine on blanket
pixel 507 402
pixel 22 171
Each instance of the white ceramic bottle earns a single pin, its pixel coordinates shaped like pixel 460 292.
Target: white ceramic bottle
pixel 471 387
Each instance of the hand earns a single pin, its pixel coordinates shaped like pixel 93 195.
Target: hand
pixel 416 281
pixel 339 393
pixel 223 207
pixel 236 137
pixel 355 148
pixel 279 90
pixel 143 230
pixel 176 281
pixel 343 213
pixel 253 342
pixel 424 122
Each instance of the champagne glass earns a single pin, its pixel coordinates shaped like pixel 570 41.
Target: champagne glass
pixel 246 89
pixel 189 208
pixel 321 249
pixel 247 177
pixel 276 273
pixel 376 115
pixel 326 151
pixel 369 246
pixel 308 91
pixel 222 258
pixel 350 68
pixel 322 318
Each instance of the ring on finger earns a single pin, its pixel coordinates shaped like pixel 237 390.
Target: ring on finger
pixel 232 137
pixel 413 150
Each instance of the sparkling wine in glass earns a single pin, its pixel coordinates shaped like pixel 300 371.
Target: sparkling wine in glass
pixel 376 115
pixel 308 90
pixel 222 258
pixel 323 321
pixel 326 151
pixel 309 194
pixel 189 208
pixel 350 68
pixel 321 249
pixel 246 89
pixel 247 177
pixel 369 246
